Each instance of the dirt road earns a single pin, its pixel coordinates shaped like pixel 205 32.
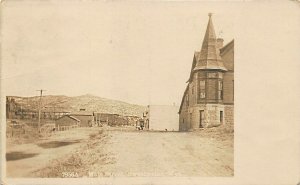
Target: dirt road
pixel 168 154
pixel 24 159
pixel 134 153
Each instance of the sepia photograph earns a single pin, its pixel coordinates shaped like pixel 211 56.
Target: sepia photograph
pixel 112 89
pixel 78 114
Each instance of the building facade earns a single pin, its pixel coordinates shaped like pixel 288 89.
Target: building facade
pixel 109 119
pixel 161 118
pixel 86 118
pixel 208 99
pixel 67 120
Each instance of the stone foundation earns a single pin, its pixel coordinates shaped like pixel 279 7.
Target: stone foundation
pixel 189 119
pixel 229 114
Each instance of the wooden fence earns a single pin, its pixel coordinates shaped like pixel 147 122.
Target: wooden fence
pixel 63 128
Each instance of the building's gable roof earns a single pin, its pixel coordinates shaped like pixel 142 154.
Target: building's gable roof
pixel 74 118
pixel 182 100
pixel 227 47
pixel 195 59
pixel 71 117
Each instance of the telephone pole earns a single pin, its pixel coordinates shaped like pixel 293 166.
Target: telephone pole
pixel 40 107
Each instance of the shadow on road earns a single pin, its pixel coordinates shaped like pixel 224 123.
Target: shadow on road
pixel 12 156
pixel 55 144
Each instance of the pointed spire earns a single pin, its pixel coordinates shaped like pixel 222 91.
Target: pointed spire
pixel 210 54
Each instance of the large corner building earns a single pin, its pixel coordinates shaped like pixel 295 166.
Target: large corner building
pixel 209 96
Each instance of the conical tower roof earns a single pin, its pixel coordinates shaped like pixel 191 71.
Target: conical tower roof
pixel 209 57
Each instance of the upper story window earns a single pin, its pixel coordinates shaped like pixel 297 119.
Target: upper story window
pixel 202 89
pixel 212 75
pixel 220 90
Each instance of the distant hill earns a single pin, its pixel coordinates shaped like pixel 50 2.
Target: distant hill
pixel 89 102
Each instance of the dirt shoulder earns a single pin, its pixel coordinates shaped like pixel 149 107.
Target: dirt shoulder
pixel 24 159
pixel 78 162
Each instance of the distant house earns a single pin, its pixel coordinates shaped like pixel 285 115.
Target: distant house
pixel 67 120
pixel 86 118
pixel 161 118
pixel 110 119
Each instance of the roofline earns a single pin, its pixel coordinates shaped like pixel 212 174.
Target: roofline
pixel 73 118
pixel 182 100
pixel 69 117
pixel 81 114
pixel 223 49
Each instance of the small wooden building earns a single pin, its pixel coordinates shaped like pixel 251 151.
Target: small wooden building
pixel 67 120
pixel 86 118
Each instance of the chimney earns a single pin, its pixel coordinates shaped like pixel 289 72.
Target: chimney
pixel 220 43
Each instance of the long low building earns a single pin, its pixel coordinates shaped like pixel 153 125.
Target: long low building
pixel 109 119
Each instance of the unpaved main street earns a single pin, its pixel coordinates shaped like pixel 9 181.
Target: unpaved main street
pixel 169 154
pixel 126 152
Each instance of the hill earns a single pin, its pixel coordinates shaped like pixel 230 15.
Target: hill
pixel 89 102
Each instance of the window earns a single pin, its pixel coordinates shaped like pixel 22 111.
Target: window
pixel 212 75
pixel 221 116
pixel 202 89
pixel 220 90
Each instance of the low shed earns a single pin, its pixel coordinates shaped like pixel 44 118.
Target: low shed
pixel 67 120
pixel 86 118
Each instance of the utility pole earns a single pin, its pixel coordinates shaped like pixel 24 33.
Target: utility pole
pixel 40 107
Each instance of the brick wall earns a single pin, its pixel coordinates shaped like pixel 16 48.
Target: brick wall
pixel 228 87
pixel 228 77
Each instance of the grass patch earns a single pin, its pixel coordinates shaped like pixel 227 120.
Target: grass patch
pixel 80 160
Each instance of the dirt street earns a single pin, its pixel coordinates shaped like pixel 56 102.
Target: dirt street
pixel 168 154
pixel 126 152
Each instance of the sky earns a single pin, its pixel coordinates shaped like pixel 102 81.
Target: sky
pixel 138 52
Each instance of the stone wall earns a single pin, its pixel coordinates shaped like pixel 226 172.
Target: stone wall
pixel 229 114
